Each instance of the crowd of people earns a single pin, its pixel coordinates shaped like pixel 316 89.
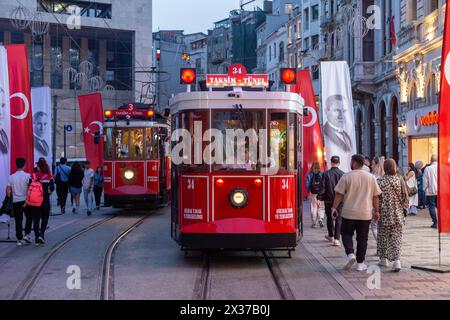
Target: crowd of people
pixel 375 196
pixel 29 194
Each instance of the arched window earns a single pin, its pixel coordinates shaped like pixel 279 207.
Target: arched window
pixel 412 97
pixel 432 92
pixel 281 55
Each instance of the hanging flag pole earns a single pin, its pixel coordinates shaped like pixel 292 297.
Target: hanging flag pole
pixel 444 151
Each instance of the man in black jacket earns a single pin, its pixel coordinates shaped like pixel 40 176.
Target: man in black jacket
pixel 329 181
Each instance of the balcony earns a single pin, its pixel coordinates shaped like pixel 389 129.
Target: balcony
pixel 409 35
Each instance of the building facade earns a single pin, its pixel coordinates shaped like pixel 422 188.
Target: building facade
pixel 78 47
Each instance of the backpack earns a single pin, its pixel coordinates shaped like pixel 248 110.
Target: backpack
pixel 35 193
pixel 316 184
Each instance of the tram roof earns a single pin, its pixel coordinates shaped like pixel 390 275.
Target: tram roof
pixel 228 100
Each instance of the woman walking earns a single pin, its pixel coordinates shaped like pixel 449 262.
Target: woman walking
pixel 314 188
pixel 76 176
pixel 390 225
pixel 422 197
pixel 413 190
pixel 98 186
pixel 377 169
pixel 41 214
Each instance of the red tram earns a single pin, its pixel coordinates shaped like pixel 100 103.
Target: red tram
pixel 136 157
pixel 237 204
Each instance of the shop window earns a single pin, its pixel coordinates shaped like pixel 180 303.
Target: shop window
pixel 281 55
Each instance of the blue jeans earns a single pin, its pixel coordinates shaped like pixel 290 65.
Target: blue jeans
pixel 432 205
pixel 422 199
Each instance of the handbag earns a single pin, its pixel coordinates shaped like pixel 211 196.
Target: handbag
pixel 412 191
pixel 7 207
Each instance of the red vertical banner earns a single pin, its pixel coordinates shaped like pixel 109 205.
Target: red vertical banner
pixel 444 134
pixel 20 106
pixel 312 134
pixel 91 110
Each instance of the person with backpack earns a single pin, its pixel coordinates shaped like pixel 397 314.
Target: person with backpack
pixel 329 182
pixel 17 189
pixel 38 199
pixel 314 188
pixel 76 176
pixel 62 172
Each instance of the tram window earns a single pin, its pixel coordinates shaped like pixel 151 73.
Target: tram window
pixel 108 149
pixel 137 143
pixel 151 138
pixel 278 139
pixel 292 140
pixel 122 143
pixel 242 152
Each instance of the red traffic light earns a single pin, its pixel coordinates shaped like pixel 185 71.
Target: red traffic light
pixel 288 76
pixel 158 54
pixel 187 76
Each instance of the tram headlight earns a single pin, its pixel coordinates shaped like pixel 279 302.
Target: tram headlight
pixel 239 198
pixel 129 174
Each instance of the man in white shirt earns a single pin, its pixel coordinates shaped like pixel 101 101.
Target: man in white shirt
pixel 430 186
pixel 17 188
pixel 88 184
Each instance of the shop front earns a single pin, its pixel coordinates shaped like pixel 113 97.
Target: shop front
pixel 422 131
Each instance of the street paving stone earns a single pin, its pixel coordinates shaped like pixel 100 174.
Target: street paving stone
pixel 420 247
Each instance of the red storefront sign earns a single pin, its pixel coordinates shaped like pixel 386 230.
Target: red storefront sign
pixel 237 77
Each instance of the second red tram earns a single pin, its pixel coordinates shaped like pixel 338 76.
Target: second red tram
pixel 252 204
pixel 136 157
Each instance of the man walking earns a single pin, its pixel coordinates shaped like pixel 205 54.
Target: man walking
pixel 62 183
pixel 17 188
pixel 430 186
pixel 88 184
pixel 330 180
pixel 360 192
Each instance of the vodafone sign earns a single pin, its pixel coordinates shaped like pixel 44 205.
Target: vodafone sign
pixel 237 77
pixel 423 121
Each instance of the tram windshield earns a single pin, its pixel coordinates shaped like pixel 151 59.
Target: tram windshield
pixel 134 143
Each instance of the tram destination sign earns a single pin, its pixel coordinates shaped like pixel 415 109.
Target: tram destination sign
pixel 130 111
pixel 237 77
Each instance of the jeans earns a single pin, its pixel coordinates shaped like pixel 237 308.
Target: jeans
pixel 374 228
pixel 62 190
pixel 36 215
pixel 19 211
pixel 362 236
pixel 317 209
pixel 333 226
pixel 432 205
pixel 422 199
pixel 98 195
pixel 88 199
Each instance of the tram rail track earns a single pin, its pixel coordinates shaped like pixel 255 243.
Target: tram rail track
pixel 26 286
pixel 203 282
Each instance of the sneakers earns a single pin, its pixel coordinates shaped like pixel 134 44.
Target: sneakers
pixel 397 266
pixel 434 226
pixel 321 223
pixel 383 263
pixel 361 267
pixel 351 260
pixel 27 239
pixel 63 210
pixel 40 241
pixel 20 243
pixel 336 243
pixel 329 239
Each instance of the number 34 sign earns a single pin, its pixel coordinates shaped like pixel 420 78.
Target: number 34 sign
pixel 237 77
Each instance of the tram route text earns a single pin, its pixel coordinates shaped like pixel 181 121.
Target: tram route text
pixel 238 309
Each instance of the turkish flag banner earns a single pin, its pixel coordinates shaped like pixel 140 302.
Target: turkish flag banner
pixel 312 134
pixel 444 134
pixel 20 106
pixel 91 110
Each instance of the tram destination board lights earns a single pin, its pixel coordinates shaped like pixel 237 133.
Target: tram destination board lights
pixel 188 76
pixel 288 76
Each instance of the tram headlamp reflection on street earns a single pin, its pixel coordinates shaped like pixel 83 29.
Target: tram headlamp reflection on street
pixel 239 198
pixel 129 174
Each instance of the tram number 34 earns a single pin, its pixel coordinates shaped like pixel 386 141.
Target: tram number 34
pixel 190 184
pixel 285 184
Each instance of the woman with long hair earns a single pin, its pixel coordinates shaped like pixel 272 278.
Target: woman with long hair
pixel 41 214
pixel 314 187
pixel 377 169
pixel 76 176
pixel 413 188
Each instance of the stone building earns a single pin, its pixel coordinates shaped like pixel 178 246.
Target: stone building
pixel 78 47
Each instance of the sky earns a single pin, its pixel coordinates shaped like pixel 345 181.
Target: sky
pixel 192 15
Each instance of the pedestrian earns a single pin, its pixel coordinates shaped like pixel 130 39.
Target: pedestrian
pixel 76 176
pixel 17 189
pixel 62 172
pixel 413 190
pixel 377 169
pixel 422 196
pixel 98 186
pixel 367 164
pixel 41 214
pixel 390 226
pixel 314 188
pixel 88 187
pixel 330 180
pixel 360 193
pixel 430 186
